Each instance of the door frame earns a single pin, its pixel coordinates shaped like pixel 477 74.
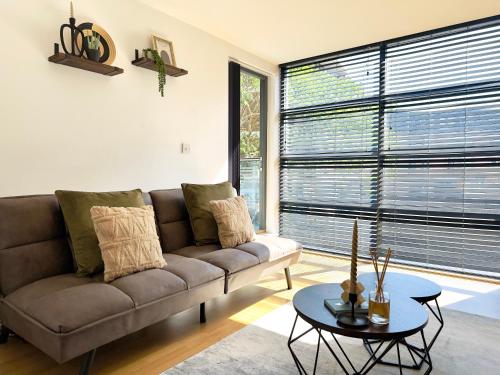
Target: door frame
pixel 234 121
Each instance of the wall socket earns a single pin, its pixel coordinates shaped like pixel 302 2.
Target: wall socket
pixel 185 148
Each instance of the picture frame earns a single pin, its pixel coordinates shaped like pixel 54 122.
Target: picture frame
pixel 165 49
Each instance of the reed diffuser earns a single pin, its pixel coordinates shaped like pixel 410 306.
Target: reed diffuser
pixel 379 303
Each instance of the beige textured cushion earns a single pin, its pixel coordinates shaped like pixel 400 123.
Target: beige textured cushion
pixel 233 221
pixel 128 240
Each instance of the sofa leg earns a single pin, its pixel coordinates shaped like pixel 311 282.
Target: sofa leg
pixel 226 284
pixel 4 334
pixel 203 316
pixel 87 362
pixel 288 278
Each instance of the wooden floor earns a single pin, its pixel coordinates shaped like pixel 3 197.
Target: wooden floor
pixel 165 344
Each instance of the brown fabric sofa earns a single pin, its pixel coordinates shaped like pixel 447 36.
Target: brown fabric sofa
pixel 45 303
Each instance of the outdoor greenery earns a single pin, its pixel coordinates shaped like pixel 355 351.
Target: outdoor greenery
pixel 307 85
pixel 250 116
pixel 313 84
pixel 341 129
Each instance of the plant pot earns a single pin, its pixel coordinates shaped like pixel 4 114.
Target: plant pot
pixel 93 54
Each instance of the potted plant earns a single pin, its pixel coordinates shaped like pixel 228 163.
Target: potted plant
pixel 160 65
pixel 92 46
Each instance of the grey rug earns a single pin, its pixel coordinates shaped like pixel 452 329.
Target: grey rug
pixel 468 344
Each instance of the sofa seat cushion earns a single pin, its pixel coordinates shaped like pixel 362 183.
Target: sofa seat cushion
pixel 230 260
pixel 193 271
pixel 66 302
pixel 150 285
pixel 196 251
pixel 268 247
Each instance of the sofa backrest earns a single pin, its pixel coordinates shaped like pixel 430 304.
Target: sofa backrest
pixel 173 220
pixel 33 243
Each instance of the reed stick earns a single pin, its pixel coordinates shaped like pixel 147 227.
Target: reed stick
pixel 374 256
pixel 379 292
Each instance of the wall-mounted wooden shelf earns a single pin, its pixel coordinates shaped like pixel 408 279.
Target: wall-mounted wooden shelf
pixel 85 64
pixel 144 62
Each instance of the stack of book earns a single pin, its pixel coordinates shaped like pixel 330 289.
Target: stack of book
pixel 338 306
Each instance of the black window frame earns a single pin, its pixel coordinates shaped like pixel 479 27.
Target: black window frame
pixel 377 215
pixel 234 127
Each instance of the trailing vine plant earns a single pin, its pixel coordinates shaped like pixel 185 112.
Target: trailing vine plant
pixel 160 66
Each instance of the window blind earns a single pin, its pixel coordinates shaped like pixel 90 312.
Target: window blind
pixel 329 143
pixel 403 135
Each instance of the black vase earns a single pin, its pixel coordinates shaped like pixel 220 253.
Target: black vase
pixel 93 54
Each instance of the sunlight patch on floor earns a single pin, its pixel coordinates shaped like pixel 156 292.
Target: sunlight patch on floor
pixel 280 321
pixel 260 308
pixel 447 298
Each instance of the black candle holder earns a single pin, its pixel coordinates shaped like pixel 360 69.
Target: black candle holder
pixel 352 319
pixel 74 32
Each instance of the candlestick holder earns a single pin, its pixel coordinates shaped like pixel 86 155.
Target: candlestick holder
pixel 74 33
pixel 352 319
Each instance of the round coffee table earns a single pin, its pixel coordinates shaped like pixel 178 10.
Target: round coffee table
pixel 408 317
pixel 417 288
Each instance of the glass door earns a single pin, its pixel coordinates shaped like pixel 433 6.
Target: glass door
pixel 253 144
pixel 249 132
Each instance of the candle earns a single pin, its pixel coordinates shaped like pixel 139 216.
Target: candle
pixel 354 258
pixel 71 12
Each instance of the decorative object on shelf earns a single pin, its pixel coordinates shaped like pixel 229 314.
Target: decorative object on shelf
pixel 379 303
pixel 165 49
pixel 74 32
pixel 160 66
pixel 107 49
pixel 352 318
pixel 92 40
pixel 92 43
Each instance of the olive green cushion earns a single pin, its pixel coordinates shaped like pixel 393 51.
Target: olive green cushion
pixel 197 198
pixel 76 207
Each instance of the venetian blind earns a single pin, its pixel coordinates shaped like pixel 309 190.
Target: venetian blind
pixel 405 135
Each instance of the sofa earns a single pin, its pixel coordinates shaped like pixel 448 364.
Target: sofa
pixel 45 303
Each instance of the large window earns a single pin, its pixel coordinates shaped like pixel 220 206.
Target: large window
pixel 403 135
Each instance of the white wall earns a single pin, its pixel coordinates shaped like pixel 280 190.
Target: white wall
pixel 64 128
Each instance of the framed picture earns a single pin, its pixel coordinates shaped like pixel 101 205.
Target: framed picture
pixel 165 49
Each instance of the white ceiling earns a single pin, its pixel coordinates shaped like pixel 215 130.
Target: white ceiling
pixel 284 30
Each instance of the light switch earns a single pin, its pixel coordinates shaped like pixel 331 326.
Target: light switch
pixel 185 148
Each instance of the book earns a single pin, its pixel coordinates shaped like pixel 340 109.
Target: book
pixel 337 305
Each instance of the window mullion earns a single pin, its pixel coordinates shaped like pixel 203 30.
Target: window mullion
pixel 380 144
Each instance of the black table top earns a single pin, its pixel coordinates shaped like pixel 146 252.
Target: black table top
pixel 407 316
pixel 418 288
